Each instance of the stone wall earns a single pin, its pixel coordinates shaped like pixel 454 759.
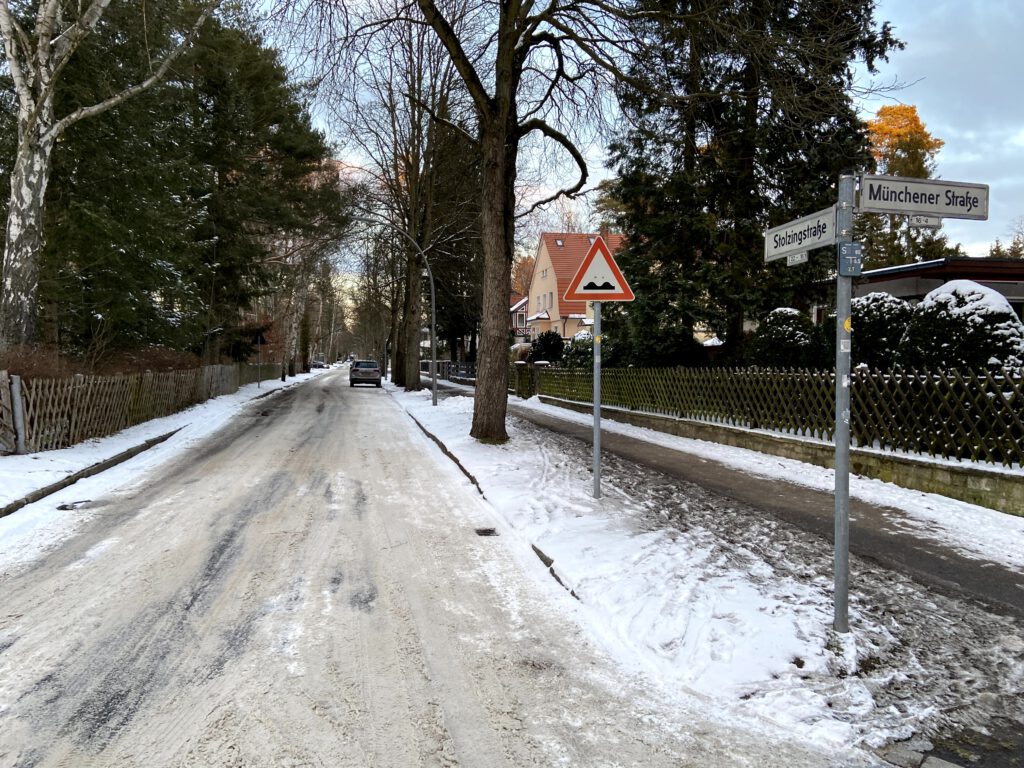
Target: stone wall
pixel 987 487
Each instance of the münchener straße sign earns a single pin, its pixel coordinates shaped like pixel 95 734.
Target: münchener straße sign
pixel 929 197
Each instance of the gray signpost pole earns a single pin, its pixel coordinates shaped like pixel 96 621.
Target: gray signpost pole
pixel 844 291
pixel 597 399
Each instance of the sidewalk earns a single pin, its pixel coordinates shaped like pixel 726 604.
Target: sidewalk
pixel 879 533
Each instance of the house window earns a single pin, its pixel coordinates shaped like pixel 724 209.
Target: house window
pixel 558 243
pixel 551 299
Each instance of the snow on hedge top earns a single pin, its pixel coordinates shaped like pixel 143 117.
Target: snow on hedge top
pixel 974 299
pixel 878 299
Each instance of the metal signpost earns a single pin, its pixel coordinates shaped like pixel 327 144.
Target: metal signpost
pixel 598 279
pixel 926 202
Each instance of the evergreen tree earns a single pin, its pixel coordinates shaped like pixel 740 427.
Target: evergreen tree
pixel 1015 250
pixel 166 213
pixel 119 217
pixel 761 125
pixel 547 347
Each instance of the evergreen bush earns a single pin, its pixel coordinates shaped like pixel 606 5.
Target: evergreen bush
pixel 879 321
pixel 963 325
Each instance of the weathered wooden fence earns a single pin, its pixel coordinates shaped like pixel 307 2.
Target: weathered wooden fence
pixel 8 437
pixel 59 412
pixel 957 415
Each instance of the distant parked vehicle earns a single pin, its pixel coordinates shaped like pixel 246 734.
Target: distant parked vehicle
pixel 364 372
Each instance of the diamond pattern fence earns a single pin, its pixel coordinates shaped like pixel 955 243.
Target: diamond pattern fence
pixel 954 415
pixel 60 412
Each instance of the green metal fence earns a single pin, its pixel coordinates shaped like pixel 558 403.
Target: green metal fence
pixel 956 415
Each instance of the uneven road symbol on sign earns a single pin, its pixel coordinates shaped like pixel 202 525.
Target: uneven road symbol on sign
pixel 599 277
pixel 927 197
pixel 801 235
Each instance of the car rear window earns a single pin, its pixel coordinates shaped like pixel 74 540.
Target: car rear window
pixel 365 364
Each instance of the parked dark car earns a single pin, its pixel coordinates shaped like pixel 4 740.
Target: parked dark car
pixel 364 372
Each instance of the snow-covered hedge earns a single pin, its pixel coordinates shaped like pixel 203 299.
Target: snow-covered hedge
pixel 963 325
pixel 879 321
pixel 787 338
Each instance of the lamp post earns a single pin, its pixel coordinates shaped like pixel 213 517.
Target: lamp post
pixel 433 304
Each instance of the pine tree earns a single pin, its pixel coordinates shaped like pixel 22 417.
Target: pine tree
pixel 163 213
pixel 760 126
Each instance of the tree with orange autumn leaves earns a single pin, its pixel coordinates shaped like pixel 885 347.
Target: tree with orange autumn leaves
pixel 901 146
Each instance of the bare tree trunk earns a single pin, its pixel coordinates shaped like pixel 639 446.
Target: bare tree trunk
pixel 498 145
pixel 412 315
pixel 23 243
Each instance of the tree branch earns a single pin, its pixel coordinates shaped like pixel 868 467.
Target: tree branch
pixel 79 114
pixel 562 139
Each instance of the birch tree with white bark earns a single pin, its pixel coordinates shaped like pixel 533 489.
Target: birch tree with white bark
pixel 40 40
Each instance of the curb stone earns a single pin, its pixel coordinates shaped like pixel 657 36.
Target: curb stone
pixel 95 469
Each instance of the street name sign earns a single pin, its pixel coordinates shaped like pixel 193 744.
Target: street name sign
pixel 599 277
pixel 801 234
pixel 927 197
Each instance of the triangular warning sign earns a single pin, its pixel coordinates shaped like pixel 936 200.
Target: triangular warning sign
pixel 599 277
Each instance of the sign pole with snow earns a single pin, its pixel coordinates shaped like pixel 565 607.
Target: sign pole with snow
pixel 598 279
pixel 926 202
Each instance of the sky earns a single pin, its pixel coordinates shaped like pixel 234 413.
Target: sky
pixel 728 609
pixel 961 68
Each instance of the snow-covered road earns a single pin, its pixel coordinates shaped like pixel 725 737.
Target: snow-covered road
pixel 308 588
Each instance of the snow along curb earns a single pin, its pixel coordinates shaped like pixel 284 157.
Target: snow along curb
pixel 544 558
pixel 95 469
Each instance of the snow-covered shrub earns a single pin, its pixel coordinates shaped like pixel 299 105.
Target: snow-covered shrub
pixel 547 346
pixel 963 325
pixel 879 321
pixel 579 353
pixel 787 338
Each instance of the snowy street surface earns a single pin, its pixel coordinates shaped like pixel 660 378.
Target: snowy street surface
pixel 305 586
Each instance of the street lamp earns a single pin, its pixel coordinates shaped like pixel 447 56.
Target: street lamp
pixel 433 312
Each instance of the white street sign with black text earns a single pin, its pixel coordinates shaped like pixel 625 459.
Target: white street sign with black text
pixel 802 234
pixel 928 197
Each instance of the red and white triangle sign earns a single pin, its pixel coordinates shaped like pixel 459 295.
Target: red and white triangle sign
pixel 599 277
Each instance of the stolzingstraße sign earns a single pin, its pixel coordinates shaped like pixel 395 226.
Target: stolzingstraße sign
pixel 801 234
pixel 928 197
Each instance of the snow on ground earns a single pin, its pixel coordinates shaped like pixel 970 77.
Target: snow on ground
pixel 970 529
pixel 696 595
pixel 717 600
pixel 32 530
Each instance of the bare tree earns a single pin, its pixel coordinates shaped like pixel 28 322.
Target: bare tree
pixel 385 106
pixel 530 70
pixel 40 47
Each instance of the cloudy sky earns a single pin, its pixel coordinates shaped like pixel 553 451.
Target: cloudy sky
pixel 962 68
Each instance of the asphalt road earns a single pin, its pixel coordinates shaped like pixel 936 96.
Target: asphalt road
pixel 307 589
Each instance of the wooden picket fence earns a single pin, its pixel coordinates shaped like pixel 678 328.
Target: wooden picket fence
pixel 60 412
pixel 956 415
pixel 8 437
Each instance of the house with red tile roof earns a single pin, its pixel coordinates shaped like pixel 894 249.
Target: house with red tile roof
pixel 559 255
